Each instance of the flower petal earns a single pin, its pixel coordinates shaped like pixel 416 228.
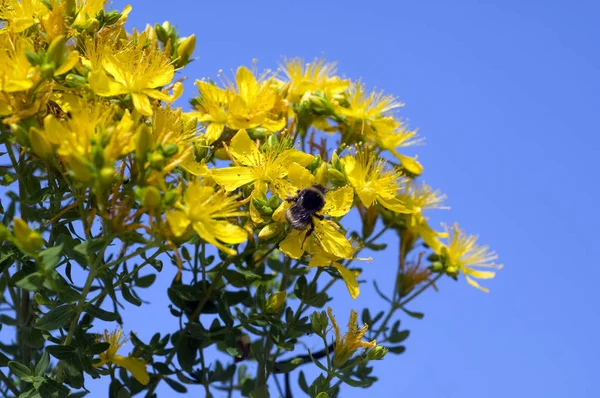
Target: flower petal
pixel 349 279
pixel 178 222
pixel 292 244
pixel 142 104
pixel 476 285
pixel 338 202
pixel 232 178
pixel 331 240
pixel 244 150
pixel 135 366
pixel 393 204
pixel 105 86
pixel 213 132
pixel 299 176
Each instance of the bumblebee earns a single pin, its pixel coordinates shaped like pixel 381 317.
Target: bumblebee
pixel 306 204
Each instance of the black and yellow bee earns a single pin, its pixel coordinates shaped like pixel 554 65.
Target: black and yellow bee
pixel 306 204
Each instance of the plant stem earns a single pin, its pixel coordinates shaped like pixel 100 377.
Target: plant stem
pixel 9 384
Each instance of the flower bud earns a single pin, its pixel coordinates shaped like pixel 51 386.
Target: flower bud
pixel 151 197
pixel 27 239
pixel 143 141
pixel 262 206
pixel 275 301
pixel 40 144
pixel 321 174
pixel 271 230
pixel 186 49
pixel 75 81
pixel 336 177
pixel 56 50
pixel 319 322
pixel 107 176
pixel 157 161
pixel 376 353
pixel 170 150
pixel 221 154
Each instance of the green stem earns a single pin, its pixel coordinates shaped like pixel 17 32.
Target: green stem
pixel 9 384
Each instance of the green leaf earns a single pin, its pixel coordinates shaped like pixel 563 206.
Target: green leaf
pixel 101 314
pixel 56 317
pixel 322 395
pixel 61 352
pixel 128 295
pixel 50 257
pixel 98 348
pixel 20 370
pixel 145 281
pixel 414 314
pixel 32 282
pixel 302 382
pixel 354 383
pixel 175 385
pixel 399 349
pixel 398 336
pixel 42 365
pixel 260 392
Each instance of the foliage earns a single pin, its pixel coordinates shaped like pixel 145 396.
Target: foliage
pixel 106 181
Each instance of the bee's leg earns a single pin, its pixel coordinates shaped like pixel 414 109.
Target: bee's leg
pixel 308 233
pixel 320 217
pixel 293 199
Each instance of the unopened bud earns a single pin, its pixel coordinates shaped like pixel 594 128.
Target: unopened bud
pixel 151 197
pixel 40 144
pixel 170 150
pixel 75 81
pixel 336 177
pixel 107 176
pixel 186 49
pixel 319 322
pixel 276 301
pixel 376 353
pixel 27 239
pixel 142 145
pixel 56 50
pixel 157 161
pixel 271 230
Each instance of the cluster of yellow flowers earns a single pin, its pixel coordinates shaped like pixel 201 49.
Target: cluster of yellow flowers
pixel 91 102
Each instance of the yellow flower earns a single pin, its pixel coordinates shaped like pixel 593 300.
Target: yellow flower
pixel 16 73
pixel 138 69
pixel 365 107
pixel 326 235
pixel 22 14
pixel 263 168
pixel 26 238
pixel 313 76
pixel 396 137
pixel 345 346
pixel 205 211
pixel 373 182
pixel 321 258
pixel 89 125
pixel 255 103
pixel 135 366
pixel 463 254
pixel 87 9
pixel 212 107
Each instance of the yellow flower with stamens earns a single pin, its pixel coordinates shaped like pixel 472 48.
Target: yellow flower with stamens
pixel 89 125
pixel 267 168
pixel 22 14
pixel 463 254
pixel 16 73
pixel 422 197
pixel 326 235
pixel 365 107
pixel 317 75
pixel 373 181
pixel 256 102
pixel 138 69
pixel 206 210
pixel 212 107
pixel 396 137
pixel 87 9
pixel 345 346
pixel 135 366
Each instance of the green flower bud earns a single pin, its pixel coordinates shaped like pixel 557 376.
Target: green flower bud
pixel 271 230
pixel 56 50
pixel 276 301
pixel 376 353
pixel 336 177
pixel 157 161
pixel 186 49
pixel 107 176
pixel 170 150
pixel 75 81
pixel 319 322
pixel 151 197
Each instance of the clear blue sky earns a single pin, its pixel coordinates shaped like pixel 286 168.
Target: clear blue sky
pixel 507 95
